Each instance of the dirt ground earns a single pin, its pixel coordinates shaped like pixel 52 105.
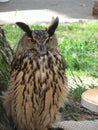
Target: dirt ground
pixel 75 111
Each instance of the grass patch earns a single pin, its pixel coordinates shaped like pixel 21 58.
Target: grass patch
pixel 79 46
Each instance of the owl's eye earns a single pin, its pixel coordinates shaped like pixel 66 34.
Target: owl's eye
pixel 31 41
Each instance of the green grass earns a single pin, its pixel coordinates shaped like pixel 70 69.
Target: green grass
pixel 78 44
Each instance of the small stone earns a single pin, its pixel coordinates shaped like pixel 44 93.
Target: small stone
pixel 83 5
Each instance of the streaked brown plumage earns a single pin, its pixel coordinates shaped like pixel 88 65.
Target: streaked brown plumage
pixel 38 84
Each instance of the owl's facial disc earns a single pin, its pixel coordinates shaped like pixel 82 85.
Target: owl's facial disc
pixel 40 39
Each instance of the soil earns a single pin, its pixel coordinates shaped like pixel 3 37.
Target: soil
pixel 74 111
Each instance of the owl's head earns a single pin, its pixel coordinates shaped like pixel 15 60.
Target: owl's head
pixel 40 41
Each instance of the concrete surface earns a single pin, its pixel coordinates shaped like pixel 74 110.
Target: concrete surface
pixel 39 11
pixel 79 125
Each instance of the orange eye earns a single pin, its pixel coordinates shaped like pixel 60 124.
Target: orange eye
pixel 29 41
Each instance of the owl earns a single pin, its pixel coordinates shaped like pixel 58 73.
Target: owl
pixel 38 84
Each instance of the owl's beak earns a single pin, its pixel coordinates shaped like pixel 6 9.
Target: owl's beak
pixel 42 49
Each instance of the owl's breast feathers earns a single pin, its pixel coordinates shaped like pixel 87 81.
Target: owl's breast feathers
pixel 37 87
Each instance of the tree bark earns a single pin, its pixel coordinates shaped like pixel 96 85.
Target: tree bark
pixel 6 56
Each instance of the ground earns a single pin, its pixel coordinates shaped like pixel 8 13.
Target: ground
pixel 32 11
pixel 75 111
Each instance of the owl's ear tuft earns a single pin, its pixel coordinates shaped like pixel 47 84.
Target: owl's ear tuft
pixel 53 25
pixel 25 28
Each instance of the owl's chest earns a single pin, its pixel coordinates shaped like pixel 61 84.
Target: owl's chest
pixel 38 74
pixel 36 87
